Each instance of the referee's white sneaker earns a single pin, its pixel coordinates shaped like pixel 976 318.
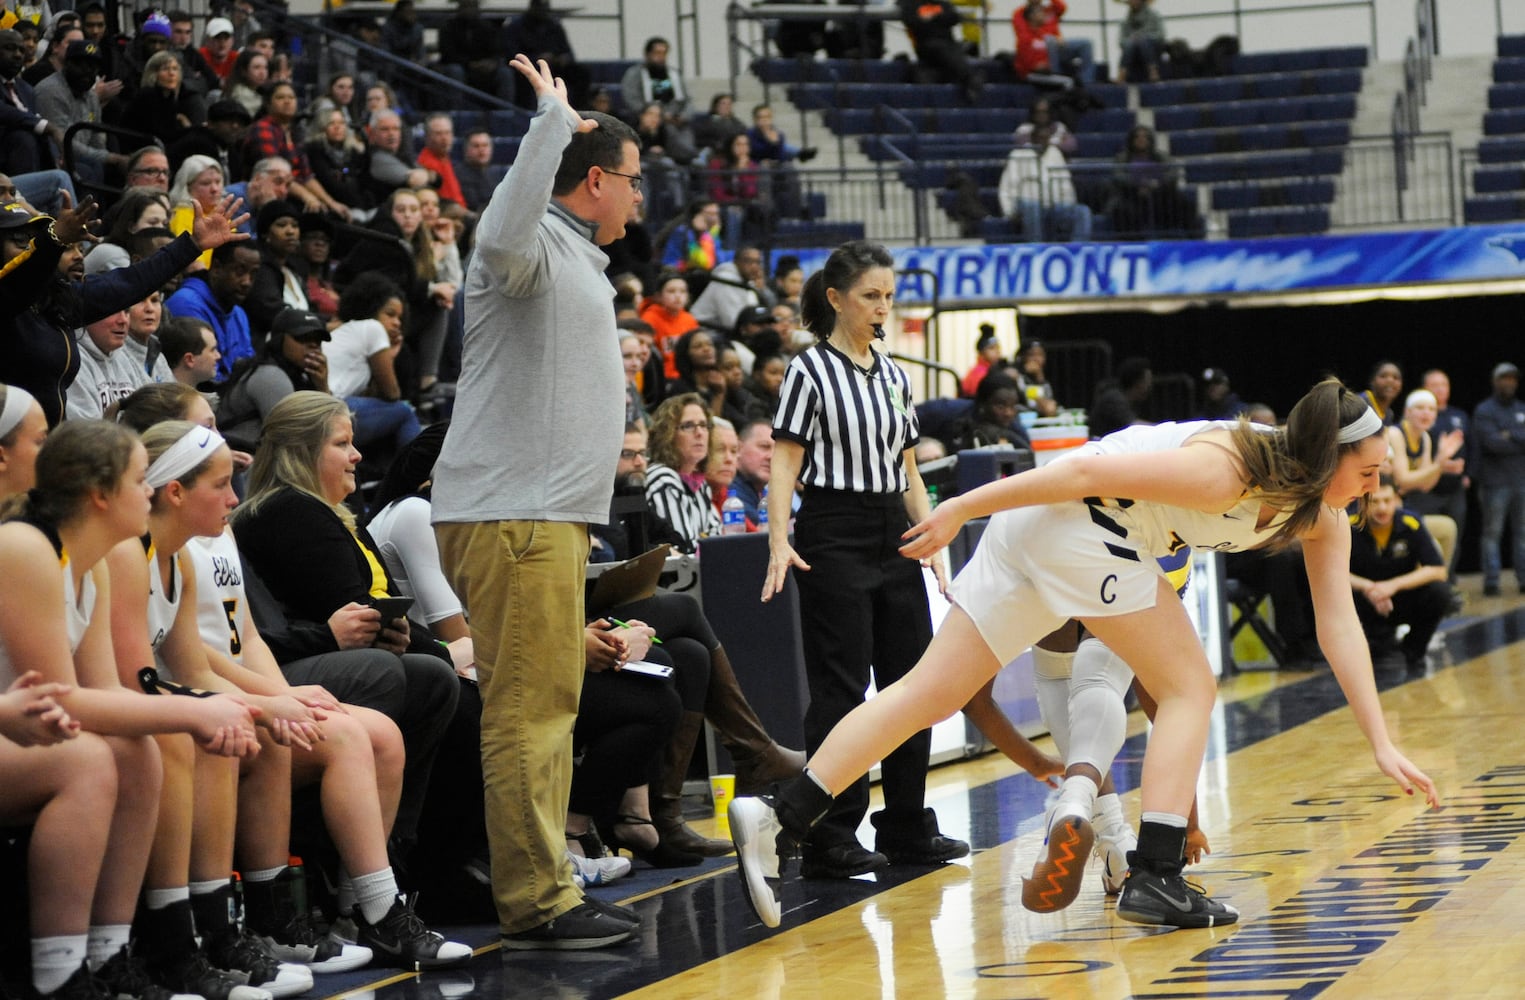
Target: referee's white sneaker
pixel 755 829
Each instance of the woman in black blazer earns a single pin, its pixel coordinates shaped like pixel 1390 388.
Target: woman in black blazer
pixel 300 541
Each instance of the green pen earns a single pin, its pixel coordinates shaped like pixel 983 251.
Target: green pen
pixel 620 624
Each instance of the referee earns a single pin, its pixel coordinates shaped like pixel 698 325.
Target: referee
pixel 845 430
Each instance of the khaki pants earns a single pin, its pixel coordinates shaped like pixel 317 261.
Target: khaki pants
pixel 522 584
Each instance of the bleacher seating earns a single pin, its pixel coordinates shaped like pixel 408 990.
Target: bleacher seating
pixel 1267 139
pixel 1497 190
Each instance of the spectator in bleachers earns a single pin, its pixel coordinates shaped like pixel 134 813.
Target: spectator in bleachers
pixel 151 39
pixel 280 282
pixel 720 467
pixel 698 361
pixel 987 351
pixel 24 133
pixel 1040 114
pixel 754 466
pixel 667 314
pixel 769 144
pixel 992 420
pixel 538 34
pixel 290 360
pixel 694 245
pixel 1145 196
pixel 246 27
pixel 739 186
pixel 712 131
pixel 144 318
pixel 1042 49
pixel 1219 400
pixel 190 350
pixel 470 50
pixel 221 138
pixel 1143 41
pixel 1418 461
pixel 439 139
pixel 654 79
pixel 788 280
pixel 339 96
pixel 161 107
pixel 388 165
pixel 361 368
pixel 764 385
pixel 338 163
pixel 733 286
pixel 1036 189
pixel 1383 387
pixel 755 334
pixel 633 358
pixel 1118 399
pixel 1498 427
pixel 477 175
pixel 40 308
pixel 215 297
pixel 1397 574
pixel 149 167
pixel 217 47
pixel 60 36
pixel 68 97
pixel 675 485
pixel 930 24
pixel 198 181
pixel 269 180
pixel 401 34
pixel 106 373
pixel 317 245
pixel 272 135
pixel 665 156
pixel 1449 496
pixel 251 71
pixel 31 36
pixel 197 73
pixel 139 209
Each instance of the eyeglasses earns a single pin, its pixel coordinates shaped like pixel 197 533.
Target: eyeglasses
pixel 690 426
pixel 634 179
pixel 151 171
pixel 630 455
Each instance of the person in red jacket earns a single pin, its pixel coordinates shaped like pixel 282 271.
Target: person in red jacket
pixel 1042 49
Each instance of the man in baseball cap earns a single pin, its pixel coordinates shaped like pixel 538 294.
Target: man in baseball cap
pixel 218 49
pixel 69 96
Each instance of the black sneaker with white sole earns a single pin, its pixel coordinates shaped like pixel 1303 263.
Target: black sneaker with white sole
pixel 401 939
pixel 1168 899
pixel 124 977
pixel 276 912
pixel 190 972
pixel 581 928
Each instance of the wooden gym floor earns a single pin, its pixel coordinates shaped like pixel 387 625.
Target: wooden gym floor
pixel 1346 887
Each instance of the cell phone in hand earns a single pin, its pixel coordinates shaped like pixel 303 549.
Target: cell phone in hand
pixel 392 608
pixel 648 668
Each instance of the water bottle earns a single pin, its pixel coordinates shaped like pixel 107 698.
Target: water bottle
pixel 733 515
pixel 762 509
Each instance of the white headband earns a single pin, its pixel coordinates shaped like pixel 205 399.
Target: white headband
pixel 1420 396
pixel 17 402
pixel 193 448
pixel 1361 428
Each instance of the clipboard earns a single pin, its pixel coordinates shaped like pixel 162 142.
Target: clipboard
pixel 632 580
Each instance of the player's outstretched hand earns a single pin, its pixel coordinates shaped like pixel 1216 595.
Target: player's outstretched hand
pixel 933 534
pixel 1408 777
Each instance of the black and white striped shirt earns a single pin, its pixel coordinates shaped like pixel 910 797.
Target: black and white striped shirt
pixel 853 425
pixel 691 512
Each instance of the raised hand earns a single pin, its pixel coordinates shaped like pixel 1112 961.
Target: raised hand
pixel 73 224
pixel 544 82
pixel 212 229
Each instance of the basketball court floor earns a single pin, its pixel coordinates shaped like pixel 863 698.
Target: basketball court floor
pixel 1346 887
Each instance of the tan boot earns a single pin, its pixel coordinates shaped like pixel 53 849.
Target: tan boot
pixel 759 760
pixel 667 802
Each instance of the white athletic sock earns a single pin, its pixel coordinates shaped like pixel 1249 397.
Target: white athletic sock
pixel 1076 797
pixel 1109 821
pixel 1165 819
pixel 207 887
pixel 158 899
pixel 344 894
pixel 55 959
pixel 375 893
pixel 105 941
pixel 263 874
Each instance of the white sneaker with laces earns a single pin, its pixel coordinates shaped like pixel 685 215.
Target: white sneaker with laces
pixel 755 829
pixel 1113 850
pixel 597 871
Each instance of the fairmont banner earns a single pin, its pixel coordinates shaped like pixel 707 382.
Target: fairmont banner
pixel 1053 271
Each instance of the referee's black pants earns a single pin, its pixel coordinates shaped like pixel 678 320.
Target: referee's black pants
pixel 862 605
